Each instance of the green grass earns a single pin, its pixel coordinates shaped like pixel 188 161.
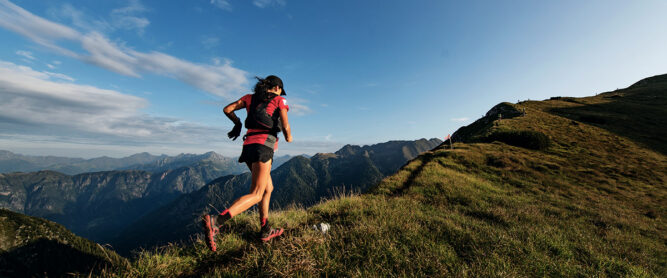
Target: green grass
pixel 590 204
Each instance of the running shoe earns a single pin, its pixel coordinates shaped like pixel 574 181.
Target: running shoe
pixel 211 230
pixel 271 233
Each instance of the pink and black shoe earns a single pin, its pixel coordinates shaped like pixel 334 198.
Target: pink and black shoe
pixel 270 234
pixel 211 230
pixel 267 233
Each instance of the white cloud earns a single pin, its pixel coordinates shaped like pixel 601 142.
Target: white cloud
pixel 59 76
pixel 49 104
pixel 458 120
pixel 266 3
pixel 222 4
pixel 79 19
pixel 26 54
pixel 127 17
pixel 106 54
pixel 297 106
pixel 227 6
pixel 40 30
pixel 32 97
pixel 221 80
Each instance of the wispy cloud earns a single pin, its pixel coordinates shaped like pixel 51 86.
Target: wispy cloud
pixel 124 18
pixel 222 80
pixel 222 4
pixel 26 54
pixel 298 106
pixel 458 120
pixel 53 64
pixel 267 3
pixel 128 17
pixel 79 19
pixel 227 6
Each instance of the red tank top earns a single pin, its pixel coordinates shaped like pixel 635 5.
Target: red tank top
pixel 276 103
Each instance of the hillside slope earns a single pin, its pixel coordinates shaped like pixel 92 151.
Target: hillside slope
pixel 545 193
pixel 31 247
pixel 301 181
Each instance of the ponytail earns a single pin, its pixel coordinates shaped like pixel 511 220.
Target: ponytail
pixel 261 93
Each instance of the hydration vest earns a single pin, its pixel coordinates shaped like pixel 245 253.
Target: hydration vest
pixel 258 118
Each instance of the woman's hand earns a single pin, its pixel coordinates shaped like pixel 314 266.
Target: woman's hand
pixel 288 138
pixel 236 131
pixel 229 111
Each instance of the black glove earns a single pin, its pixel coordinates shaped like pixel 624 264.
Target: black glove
pixel 236 131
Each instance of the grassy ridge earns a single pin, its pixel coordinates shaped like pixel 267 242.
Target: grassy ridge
pixel 34 247
pixel 592 203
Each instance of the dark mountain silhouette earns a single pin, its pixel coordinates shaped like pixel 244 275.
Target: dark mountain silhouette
pixel 34 247
pixel 301 181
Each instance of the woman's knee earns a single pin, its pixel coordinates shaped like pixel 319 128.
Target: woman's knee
pixel 257 197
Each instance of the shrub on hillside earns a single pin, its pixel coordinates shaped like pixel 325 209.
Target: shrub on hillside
pixel 568 99
pixel 521 138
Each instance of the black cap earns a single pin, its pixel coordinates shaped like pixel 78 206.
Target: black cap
pixel 273 81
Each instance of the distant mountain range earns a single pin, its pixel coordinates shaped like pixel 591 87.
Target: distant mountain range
pixel 12 162
pixel 98 205
pixel 302 181
pixel 101 205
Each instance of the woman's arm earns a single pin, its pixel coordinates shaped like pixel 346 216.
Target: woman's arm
pixel 286 130
pixel 229 111
pixel 230 108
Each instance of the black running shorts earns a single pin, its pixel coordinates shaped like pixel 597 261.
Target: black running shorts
pixel 256 152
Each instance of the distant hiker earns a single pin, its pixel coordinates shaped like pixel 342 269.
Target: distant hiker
pixel 267 115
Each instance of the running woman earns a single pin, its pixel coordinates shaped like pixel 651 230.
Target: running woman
pixel 267 114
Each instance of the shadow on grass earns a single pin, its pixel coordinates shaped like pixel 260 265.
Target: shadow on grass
pixel 48 258
pixel 638 114
pixel 426 159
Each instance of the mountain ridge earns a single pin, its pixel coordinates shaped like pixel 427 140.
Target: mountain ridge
pixel 12 162
pixel 589 202
pixel 31 247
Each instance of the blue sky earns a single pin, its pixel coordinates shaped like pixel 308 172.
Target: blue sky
pixel 92 78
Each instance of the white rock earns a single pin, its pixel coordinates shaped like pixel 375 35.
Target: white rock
pixel 322 227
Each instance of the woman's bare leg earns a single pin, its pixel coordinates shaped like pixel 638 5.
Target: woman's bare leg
pixel 264 204
pixel 261 172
